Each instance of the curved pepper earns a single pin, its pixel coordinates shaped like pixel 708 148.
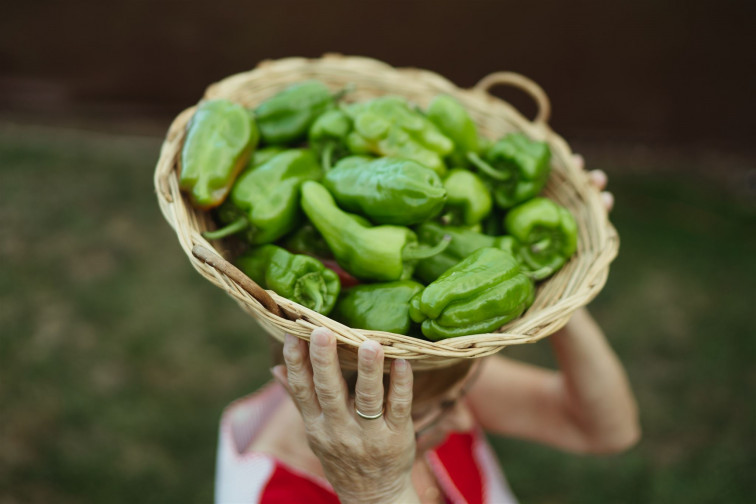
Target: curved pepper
pixel 377 307
pixel 454 121
pixel 468 200
pixel 480 294
pixel 387 126
pixel 327 136
pixel 516 167
pixel 286 116
pixel 381 253
pixel 387 190
pixel 300 278
pixel 219 140
pixel 264 201
pixel 464 242
pixel 545 234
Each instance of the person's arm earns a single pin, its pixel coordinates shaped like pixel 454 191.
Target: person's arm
pixel 587 406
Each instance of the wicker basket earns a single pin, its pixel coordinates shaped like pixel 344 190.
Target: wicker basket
pixel 576 284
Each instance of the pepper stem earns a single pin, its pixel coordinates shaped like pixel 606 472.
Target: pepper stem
pixel 454 217
pixel 234 227
pixel 326 157
pixel 348 88
pixel 539 274
pixel 487 168
pixel 310 285
pixel 540 246
pixel 415 253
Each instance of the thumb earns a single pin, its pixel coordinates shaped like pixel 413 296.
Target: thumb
pixel 280 375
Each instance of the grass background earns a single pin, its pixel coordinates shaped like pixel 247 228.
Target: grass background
pixel 116 358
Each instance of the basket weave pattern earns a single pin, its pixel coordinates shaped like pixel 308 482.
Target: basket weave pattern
pixel 575 285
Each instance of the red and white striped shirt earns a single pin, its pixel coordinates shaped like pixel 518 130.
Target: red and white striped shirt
pixel 464 465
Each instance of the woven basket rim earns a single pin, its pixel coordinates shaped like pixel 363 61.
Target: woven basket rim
pixel 571 288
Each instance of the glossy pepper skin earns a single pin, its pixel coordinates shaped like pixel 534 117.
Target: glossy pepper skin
pixel 468 200
pixel 464 241
pixel 220 137
pixel 516 168
pixel 381 253
pixel 545 234
pixel 387 190
pixel 480 294
pixel 327 136
pixel 387 126
pixel 300 278
pixel 454 121
pixel 286 116
pixel 377 307
pixel 264 202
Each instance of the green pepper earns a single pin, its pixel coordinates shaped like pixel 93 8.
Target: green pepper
pixel 300 278
pixel 307 240
pixel 387 126
pixel 377 307
pixel 480 294
pixel 516 167
pixel 468 200
pixel 264 200
pixel 464 241
pixel 327 136
pixel 262 156
pixel 454 121
pixel 545 234
pixel 286 116
pixel 387 190
pixel 354 161
pixel 381 253
pixel 220 137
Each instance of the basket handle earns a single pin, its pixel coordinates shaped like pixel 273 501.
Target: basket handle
pixel 523 83
pixel 235 274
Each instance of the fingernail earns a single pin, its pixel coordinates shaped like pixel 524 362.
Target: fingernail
pixel 290 339
pixel 367 351
pixel 401 365
pixel 608 200
pixel 320 336
pixel 277 372
pixel 599 178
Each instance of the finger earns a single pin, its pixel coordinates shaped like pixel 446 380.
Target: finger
pixel 399 402
pixel 598 178
pixel 299 377
pixel 579 160
pixel 280 375
pixel 368 392
pixel 608 199
pixel 326 373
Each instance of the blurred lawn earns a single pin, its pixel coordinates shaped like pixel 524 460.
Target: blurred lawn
pixel 116 358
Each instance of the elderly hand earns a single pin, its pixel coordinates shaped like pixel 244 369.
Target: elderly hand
pixel 365 460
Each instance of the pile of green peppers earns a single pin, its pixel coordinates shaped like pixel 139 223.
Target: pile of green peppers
pixel 385 215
